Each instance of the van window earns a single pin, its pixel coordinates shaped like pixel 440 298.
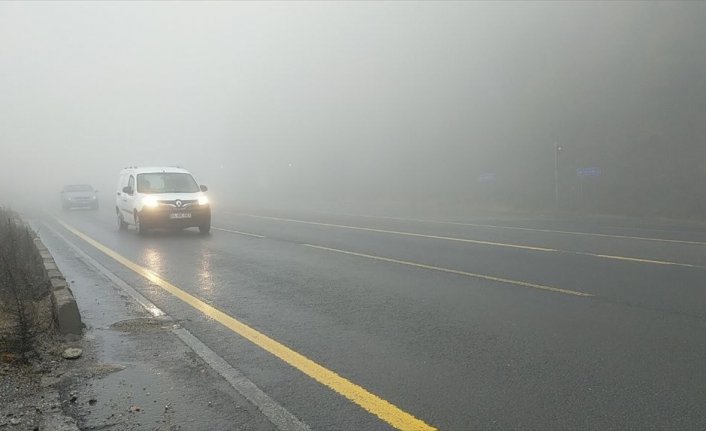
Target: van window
pixel 131 182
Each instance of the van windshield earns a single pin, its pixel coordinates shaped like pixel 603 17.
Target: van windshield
pixel 166 182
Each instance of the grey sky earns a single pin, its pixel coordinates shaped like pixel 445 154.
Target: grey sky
pixel 357 95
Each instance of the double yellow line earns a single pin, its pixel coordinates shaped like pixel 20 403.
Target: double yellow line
pixel 384 410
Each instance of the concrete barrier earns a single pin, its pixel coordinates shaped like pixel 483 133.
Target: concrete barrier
pixel 66 312
pixel 64 308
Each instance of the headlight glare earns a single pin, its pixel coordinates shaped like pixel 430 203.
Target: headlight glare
pixel 150 202
pixel 203 200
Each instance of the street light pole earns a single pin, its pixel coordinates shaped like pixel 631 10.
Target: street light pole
pixel 557 150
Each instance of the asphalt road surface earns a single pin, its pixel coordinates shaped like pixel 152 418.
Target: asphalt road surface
pixel 360 322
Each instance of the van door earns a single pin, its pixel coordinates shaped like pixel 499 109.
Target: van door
pixel 125 200
pixel 119 193
pixel 130 199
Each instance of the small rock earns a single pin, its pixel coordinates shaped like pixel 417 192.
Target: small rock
pixel 14 421
pixel 92 401
pixel 72 353
pixel 134 409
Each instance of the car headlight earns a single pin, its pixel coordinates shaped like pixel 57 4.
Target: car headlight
pixel 150 202
pixel 93 197
pixel 203 200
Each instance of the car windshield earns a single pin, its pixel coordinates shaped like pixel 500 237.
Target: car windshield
pixel 78 188
pixel 166 182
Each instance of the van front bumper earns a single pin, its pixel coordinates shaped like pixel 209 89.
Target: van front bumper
pixel 177 218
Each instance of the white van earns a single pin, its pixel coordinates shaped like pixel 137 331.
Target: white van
pixel 161 197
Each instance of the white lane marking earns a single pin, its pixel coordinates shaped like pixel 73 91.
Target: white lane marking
pixel 280 417
pixel 638 260
pixel 493 226
pixel 454 271
pixel 412 234
pixel 577 253
pixel 238 232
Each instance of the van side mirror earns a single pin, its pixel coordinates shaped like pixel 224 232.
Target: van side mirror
pixel 127 189
pixel 203 188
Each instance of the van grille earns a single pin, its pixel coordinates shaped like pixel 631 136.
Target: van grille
pixel 184 202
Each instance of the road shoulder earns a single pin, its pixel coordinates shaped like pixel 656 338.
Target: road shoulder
pixel 134 372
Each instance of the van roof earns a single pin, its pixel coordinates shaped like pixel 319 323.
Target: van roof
pixel 149 169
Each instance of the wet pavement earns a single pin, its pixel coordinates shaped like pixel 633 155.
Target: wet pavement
pixel 135 374
pixel 454 321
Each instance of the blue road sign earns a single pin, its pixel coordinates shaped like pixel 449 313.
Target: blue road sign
pixel 589 172
pixel 487 177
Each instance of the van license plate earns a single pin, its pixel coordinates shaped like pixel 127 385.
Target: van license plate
pixel 179 215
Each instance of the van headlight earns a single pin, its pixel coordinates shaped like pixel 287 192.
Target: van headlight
pixel 203 200
pixel 150 201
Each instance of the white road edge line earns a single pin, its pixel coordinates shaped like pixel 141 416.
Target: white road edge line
pixel 280 417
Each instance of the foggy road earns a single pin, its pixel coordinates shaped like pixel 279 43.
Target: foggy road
pixel 426 215
pixel 468 324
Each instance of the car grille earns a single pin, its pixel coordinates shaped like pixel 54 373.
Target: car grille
pixel 184 203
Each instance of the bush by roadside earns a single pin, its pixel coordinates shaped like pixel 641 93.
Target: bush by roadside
pixel 25 289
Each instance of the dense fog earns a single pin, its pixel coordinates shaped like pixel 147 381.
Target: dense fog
pixel 372 107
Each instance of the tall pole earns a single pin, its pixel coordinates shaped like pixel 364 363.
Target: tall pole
pixel 557 150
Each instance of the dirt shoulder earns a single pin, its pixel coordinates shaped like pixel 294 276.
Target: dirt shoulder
pixel 29 396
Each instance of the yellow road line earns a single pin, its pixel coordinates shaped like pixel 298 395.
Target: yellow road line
pixel 454 271
pixel 524 247
pixel 419 235
pixel 357 394
pixel 238 232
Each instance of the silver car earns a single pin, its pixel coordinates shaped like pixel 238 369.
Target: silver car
pixel 79 196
